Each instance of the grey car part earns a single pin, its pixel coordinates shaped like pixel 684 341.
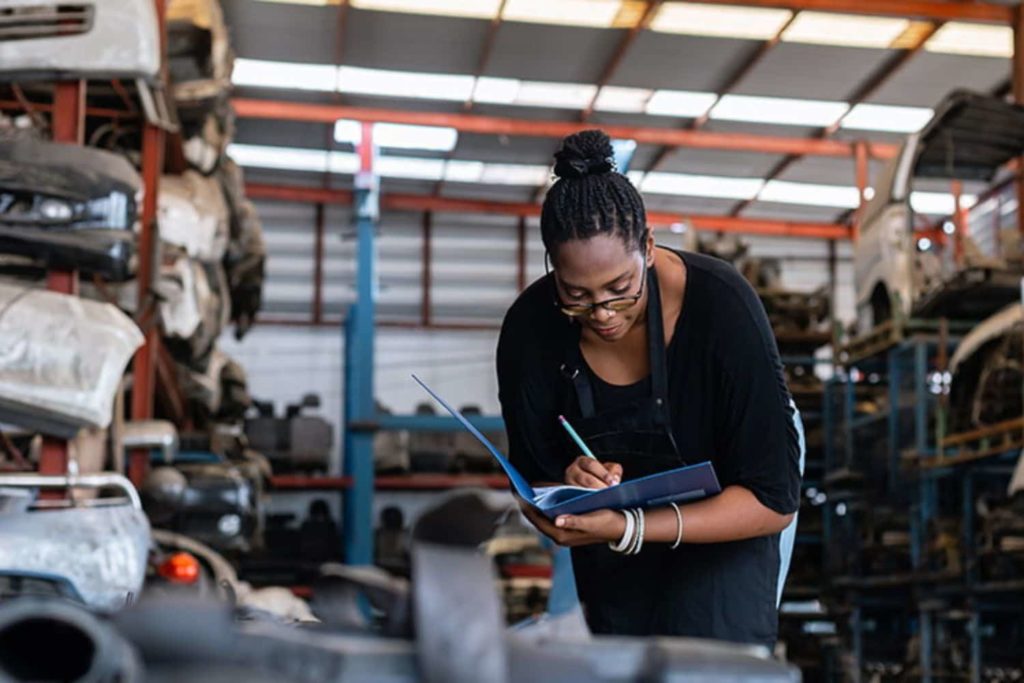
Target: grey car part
pixel 34 630
pixel 192 214
pixel 63 359
pixel 100 545
pixel 987 372
pixel 151 434
pixel 199 50
pixel 246 256
pixel 112 39
pixel 68 206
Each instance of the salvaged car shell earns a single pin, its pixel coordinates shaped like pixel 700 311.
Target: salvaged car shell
pixel 69 206
pixel 970 137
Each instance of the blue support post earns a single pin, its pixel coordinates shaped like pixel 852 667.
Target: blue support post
pixel 927 637
pixel 357 522
pixel 974 626
pixel 894 418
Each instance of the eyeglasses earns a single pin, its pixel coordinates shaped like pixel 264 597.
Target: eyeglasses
pixel 617 304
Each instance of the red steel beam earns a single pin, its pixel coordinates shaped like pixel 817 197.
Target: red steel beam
pixel 68 126
pixel 937 10
pixel 419 203
pixel 144 362
pixel 493 125
pixel 521 254
pixel 427 276
pixel 486 49
pixel 318 263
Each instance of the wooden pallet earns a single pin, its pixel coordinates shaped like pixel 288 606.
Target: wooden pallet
pixel 977 444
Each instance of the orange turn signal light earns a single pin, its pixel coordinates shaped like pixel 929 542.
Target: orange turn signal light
pixel 180 568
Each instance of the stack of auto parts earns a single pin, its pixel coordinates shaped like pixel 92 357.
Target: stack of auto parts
pixel 987 371
pixel 1000 539
pixel 295 441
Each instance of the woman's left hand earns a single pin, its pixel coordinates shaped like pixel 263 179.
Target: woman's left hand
pixel 600 526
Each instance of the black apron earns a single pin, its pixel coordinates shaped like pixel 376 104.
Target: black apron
pixel 686 592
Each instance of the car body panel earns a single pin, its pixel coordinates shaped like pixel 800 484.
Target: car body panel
pixel 122 40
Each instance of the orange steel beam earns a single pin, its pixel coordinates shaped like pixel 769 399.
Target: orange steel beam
pixel 493 125
pixel 486 49
pixel 917 9
pixel 412 202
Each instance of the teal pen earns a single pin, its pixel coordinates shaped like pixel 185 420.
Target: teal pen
pixel 576 437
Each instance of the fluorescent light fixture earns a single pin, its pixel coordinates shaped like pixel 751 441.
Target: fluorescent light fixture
pixel 938 203
pixel 533 93
pixel 590 13
pixel 682 103
pixel 515 174
pixel 384 83
pixel 848 30
pixel 345 163
pixel 701 185
pixel 778 110
pixel 721 21
pixel 496 90
pixel 285 158
pixel 347 131
pixel 629 100
pixel 398 136
pixel 410 168
pixel 261 73
pixel 809 194
pixel 459 171
pixel 316 3
pixel 474 9
pixel 559 95
pixel 636 177
pixel 883 117
pixel 979 40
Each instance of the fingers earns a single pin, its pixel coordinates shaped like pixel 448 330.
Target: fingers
pixel 615 471
pixel 589 473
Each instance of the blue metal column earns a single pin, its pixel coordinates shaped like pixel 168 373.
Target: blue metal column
pixel 927 636
pixel 357 522
pixel 893 419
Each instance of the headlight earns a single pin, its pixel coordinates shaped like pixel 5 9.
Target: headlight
pixel 229 525
pixel 55 210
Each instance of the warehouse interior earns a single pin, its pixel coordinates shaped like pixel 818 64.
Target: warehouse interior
pixel 239 238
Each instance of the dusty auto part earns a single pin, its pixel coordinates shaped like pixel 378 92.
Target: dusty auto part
pixel 199 50
pixel 192 214
pixel 987 372
pixel 430 451
pixel 151 434
pixel 69 206
pixel 33 630
pixel 213 502
pixel 296 441
pixel 64 361
pixel 114 39
pixel 470 454
pixel 893 278
pixel 390 447
pixel 246 255
pixel 99 544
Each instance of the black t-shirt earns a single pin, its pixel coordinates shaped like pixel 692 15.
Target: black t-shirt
pixel 728 403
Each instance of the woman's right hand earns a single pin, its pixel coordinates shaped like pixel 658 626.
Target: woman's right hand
pixel 593 474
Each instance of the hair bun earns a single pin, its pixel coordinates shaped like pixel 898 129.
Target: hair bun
pixel 588 152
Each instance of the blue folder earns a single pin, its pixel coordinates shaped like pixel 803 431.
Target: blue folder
pixel 682 484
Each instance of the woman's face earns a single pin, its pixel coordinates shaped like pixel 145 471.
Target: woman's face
pixel 597 269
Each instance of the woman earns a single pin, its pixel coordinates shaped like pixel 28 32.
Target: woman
pixel 657 358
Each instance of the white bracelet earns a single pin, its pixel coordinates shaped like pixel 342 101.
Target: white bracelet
pixel 627 534
pixel 639 533
pixel 679 526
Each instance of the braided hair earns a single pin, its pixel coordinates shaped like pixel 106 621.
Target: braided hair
pixel 590 197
